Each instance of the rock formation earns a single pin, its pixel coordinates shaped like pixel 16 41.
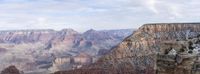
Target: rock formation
pixel 36 50
pixel 161 48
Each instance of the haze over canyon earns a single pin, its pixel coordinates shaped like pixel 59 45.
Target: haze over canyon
pixel 45 51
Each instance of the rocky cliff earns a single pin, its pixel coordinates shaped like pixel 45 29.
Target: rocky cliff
pixel 152 49
pixel 50 50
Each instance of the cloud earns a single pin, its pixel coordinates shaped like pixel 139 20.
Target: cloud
pixel 151 4
pixel 98 14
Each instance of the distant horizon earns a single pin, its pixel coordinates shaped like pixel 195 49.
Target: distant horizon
pixel 18 29
pixel 64 29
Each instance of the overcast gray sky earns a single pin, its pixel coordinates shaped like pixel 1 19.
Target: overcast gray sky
pixel 97 14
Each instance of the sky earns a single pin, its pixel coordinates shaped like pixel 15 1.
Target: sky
pixel 82 15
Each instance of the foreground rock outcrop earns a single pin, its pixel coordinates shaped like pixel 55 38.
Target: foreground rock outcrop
pixel 11 70
pixel 162 48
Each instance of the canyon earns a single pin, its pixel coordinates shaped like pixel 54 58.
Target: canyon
pixel 157 48
pixel 45 51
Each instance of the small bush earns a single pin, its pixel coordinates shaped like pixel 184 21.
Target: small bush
pixel 190 52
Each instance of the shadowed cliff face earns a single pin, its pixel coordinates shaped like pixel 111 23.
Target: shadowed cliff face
pixel 49 50
pixel 11 70
pixel 137 54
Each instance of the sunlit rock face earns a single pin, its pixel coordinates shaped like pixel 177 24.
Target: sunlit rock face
pixel 160 48
pixel 82 58
pixel 49 50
